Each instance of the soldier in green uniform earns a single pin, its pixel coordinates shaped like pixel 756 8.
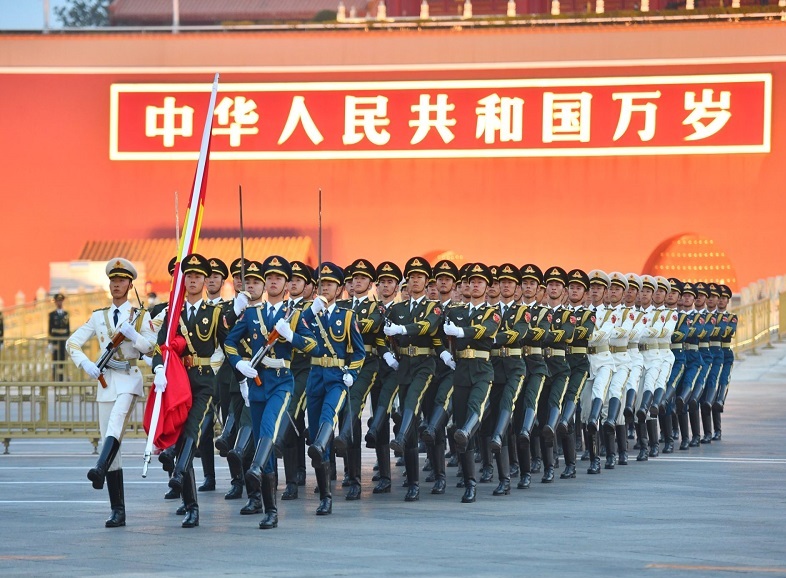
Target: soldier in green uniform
pixel 292 441
pixel 414 323
pixel 59 330
pixel 385 388
pixel 559 335
pixel 437 401
pixel 200 325
pixel 474 326
pixel 578 360
pixel 509 371
pixel 525 411
pixel 370 321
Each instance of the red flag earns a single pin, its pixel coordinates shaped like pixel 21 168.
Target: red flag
pixel 177 387
pixel 175 404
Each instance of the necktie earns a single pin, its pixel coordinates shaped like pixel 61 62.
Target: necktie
pixel 191 314
pixel 502 309
pixel 115 316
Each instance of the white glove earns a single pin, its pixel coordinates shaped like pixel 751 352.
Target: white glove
pixel 159 381
pixel 391 360
pixel 148 360
pixel 129 331
pixel 453 330
pixel 447 359
pixel 284 330
pixel 348 380
pixel 394 329
pixel 245 368
pixel 91 369
pixel 244 392
pixel 318 305
pixel 240 304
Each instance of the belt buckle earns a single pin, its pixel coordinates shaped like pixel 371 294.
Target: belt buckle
pixel 411 350
pixel 504 352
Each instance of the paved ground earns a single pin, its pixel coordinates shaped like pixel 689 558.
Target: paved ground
pixel 713 511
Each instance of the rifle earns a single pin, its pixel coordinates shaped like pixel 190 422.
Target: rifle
pixel 111 348
pixel 271 341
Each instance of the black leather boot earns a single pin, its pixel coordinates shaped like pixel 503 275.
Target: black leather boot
pixel 464 434
pixel 548 431
pixel 225 441
pixel 716 419
pixel 644 407
pixel 380 415
pixel 568 412
pixel 487 469
pixel 407 423
pixel 344 438
pixel 644 450
pixel 269 500
pixel 622 444
pixel 513 455
pixel 184 462
pixel 547 452
pixel 189 499
pixel 526 428
pixel 610 433
pixel 720 399
pixel 695 427
pixel 657 401
pixel 503 471
pixel 236 472
pixel 114 484
pixel 591 441
pixel 594 417
pixel 630 400
pixel 439 417
pixel 706 422
pixel 668 437
pixel 254 477
pixel 411 459
pixel 97 473
pixel 290 472
pixel 322 473
pixel 467 459
pixel 525 459
pixel 353 467
pixel 237 454
pixel 652 431
pixel 501 428
pixel 684 431
pixel 318 448
pixel 207 455
pixel 383 460
pixel 167 459
pixel 569 452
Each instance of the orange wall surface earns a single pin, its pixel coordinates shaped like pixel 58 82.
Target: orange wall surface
pixel 60 189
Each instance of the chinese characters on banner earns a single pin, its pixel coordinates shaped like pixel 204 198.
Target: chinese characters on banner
pixel 708 114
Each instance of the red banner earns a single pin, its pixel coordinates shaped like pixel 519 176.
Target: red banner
pixel 649 115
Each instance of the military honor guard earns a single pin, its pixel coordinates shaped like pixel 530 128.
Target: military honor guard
pixel 729 329
pixel 59 330
pixel 201 328
pixel 129 333
pixel 336 362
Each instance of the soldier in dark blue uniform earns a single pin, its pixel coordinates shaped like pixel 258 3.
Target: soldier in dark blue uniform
pixel 730 328
pixel 693 365
pixel 704 321
pixel 59 330
pixel 681 329
pixel 269 400
pixel 716 327
pixel 336 362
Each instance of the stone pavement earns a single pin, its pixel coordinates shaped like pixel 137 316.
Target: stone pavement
pixel 718 510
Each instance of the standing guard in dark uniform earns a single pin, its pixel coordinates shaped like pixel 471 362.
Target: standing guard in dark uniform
pixel 292 443
pixel 370 321
pixel 414 323
pixel 474 326
pixel 59 330
pixel 336 362
pixel 578 361
pixel 525 411
pixel 437 402
pixel 562 325
pixel 509 371
pixel 200 325
pixel 269 400
pixel 385 389
pixel 726 337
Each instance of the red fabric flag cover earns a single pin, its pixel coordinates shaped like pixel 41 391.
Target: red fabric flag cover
pixel 177 401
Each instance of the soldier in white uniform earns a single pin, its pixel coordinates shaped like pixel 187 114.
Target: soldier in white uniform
pixel 653 322
pixel 122 376
pixel 623 320
pixel 601 366
pixel 666 358
pixel 632 393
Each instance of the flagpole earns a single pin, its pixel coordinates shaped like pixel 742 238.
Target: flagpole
pixel 188 242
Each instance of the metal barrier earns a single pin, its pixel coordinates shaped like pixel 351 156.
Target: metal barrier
pixel 757 323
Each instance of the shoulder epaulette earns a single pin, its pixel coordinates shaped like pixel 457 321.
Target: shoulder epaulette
pixel 102 309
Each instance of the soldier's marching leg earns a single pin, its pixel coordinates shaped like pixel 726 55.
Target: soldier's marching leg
pixel 706 421
pixel 98 473
pixel 695 427
pixel 716 419
pixel 591 441
pixel 225 441
pixel 114 484
pixel 569 452
pixel 322 473
pixel 253 476
pixel 503 469
pixel 407 425
pixel 411 460
pixel 644 450
pixel 269 499
pixel 684 429
pixel 235 459
pixel 190 500
pixel 652 431
pixel 207 454
pixel 354 465
pixel 184 462
pixel 487 469
pixel 665 426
